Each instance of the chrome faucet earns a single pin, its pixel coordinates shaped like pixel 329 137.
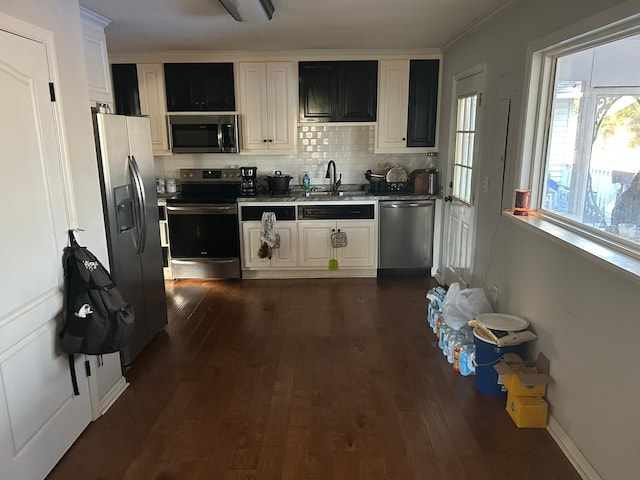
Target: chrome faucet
pixel 333 183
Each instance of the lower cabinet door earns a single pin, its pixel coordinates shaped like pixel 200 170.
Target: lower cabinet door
pixel 284 256
pixel 314 238
pixel 361 240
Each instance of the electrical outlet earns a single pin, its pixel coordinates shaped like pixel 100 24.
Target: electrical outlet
pixel 493 294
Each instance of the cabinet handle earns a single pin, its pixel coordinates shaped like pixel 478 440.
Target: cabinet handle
pixel 270 140
pixel 264 140
pixel 448 198
pixel 403 139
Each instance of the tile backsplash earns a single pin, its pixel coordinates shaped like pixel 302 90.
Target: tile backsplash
pixel 351 147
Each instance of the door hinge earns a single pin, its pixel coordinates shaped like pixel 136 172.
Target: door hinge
pixel 479 99
pixel 87 367
pixel 52 91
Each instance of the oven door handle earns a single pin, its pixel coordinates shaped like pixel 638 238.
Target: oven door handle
pixel 194 210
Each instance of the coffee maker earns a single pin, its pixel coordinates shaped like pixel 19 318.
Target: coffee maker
pixel 248 182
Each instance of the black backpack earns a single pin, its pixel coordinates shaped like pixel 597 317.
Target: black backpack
pixel 97 319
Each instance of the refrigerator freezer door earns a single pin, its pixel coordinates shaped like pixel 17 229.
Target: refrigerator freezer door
pixel 151 257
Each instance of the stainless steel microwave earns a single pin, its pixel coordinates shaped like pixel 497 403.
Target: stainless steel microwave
pixel 202 133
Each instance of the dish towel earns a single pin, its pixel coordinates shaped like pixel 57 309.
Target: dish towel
pixel 268 234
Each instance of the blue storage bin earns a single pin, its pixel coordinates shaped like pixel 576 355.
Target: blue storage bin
pixel 487 355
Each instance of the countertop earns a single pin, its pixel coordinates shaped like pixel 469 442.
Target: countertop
pixel 346 193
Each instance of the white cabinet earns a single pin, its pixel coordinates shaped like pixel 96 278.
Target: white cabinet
pixel 314 238
pixel 106 382
pixel 408 106
pixel 164 238
pixel 95 55
pixel 284 256
pixel 393 105
pixel 268 106
pixel 153 104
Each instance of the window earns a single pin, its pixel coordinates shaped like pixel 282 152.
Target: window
pixel 465 142
pixel 587 164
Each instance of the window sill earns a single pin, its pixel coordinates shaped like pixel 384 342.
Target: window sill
pixel 611 258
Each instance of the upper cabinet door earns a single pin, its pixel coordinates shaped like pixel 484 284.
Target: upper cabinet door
pixel 95 55
pixel 318 91
pixel 267 106
pixel 125 88
pixel 423 103
pixel 394 94
pixel 357 91
pixel 338 91
pixel 153 104
pixel 200 87
pixel 281 100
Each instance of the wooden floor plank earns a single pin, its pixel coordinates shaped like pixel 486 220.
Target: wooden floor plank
pixel 304 379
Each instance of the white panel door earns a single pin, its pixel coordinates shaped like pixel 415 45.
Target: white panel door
pixel 461 211
pixel 286 255
pixel 393 106
pixel 154 104
pixel 360 249
pixel 282 92
pixel 253 105
pixel 314 240
pixel 39 415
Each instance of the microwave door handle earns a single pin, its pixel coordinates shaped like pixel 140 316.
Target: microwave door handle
pixel 170 132
pixel 220 137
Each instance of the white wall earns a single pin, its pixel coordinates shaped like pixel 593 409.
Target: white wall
pixel 62 17
pixel 586 315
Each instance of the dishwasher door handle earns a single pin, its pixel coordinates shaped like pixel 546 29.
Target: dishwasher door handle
pixel 406 204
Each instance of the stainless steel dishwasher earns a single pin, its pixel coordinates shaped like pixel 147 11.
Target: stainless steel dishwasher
pixel 406 237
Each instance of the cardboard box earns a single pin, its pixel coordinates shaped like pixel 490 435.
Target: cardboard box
pixel 527 412
pixel 524 378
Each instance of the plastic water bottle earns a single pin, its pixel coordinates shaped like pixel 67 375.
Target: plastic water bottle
pixel 306 181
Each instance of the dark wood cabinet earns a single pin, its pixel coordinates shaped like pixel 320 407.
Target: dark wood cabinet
pixel 125 88
pixel 341 91
pixel 423 100
pixel 199 87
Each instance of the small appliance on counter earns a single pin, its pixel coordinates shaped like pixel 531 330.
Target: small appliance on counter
pixel 278 183
pixel 248 181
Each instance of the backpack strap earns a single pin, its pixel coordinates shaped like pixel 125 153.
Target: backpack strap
pixel 72 239
pixel 74 378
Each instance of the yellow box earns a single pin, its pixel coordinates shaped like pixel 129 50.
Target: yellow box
pixel 518 388
pixel 527 412
pixel 522 378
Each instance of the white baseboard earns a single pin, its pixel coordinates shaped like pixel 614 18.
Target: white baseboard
pixel 115 392
pixel 575 456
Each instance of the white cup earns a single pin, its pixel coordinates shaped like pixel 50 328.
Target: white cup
pixel 170 185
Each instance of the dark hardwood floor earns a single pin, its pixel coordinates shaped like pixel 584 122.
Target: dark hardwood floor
pixel 302 380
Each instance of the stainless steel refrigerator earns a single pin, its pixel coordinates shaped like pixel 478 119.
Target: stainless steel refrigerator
pixel 127 177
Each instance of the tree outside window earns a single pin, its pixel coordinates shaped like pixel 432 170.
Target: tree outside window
pixel 592 168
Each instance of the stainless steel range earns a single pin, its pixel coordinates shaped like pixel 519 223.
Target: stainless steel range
pixel 203 224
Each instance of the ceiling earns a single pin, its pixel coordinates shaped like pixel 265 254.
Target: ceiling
pixel 156 26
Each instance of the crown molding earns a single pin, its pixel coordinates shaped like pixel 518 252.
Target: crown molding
pixel 291 55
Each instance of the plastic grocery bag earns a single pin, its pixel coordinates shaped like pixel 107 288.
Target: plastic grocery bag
pixel 460 306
